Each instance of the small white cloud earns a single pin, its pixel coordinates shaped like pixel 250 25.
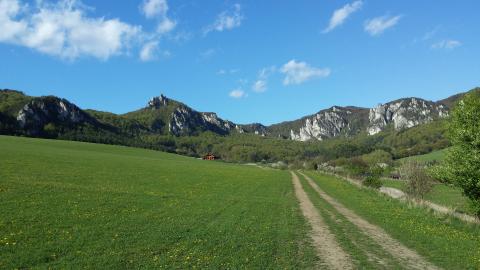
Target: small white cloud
pixel 165 26
pixel 207 54
pixel 158 9
pixel 340 15
pixel 261 84
pixel 181 37
pixel 378 25
pixel 64 30
pixel 430 34
pixel 154 8
pixel 448 44
pixel 149 51
pixel 226 20
pixel 225 71
pixel 237 93
pixel 300 72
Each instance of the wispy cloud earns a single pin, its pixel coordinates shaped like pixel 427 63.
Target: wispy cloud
pixel 207 54
pixel 149 51
pixel 300 72
pixel 261 84
pixel 238 93
pixel 447 44
pixel 378 25
pixel 157 9
pixel 227 71
pixel 430 34
pixel 340 15
pixel 64 30
pixel 226 20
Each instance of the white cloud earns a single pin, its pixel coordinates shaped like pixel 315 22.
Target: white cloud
pixel 237 93
pixel 166 25
pixel 207 54
pixel 158 9
pixel 378 25
pixel 227 71
pixel 340 15
pixel 226 20
pixel 448 44
pixel 64 30
pixel 300 72
pixel 430 34
pixel 149 51
pixel 261 84
pixel 154 8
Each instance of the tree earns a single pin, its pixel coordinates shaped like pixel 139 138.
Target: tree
pixel 462 165
pixel 419 183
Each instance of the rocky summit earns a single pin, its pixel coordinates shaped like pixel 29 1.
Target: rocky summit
pixel 348 121
pixel 50 110
pixel 165 116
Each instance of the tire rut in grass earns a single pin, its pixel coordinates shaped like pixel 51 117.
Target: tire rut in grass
pixel 365 253
pixel 408 257
pixel 324 241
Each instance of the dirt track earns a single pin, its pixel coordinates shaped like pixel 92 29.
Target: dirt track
pixel 329 251
pixel 408 257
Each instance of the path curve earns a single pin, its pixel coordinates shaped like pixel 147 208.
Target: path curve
pixel 324 241
pixel 408 257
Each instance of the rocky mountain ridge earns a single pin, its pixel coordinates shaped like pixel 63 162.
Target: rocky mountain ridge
pixel 166 116
pixel 348 121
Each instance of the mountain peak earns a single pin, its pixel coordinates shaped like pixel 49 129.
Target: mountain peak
pixel 157 102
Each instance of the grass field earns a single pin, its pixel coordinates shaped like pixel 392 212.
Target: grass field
pixel 438 155
pixel 442 194
pixel 447 242
pixel 78 205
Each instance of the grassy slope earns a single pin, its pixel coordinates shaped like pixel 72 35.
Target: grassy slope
pixel 441 194
pixel 438 155
pixel 446 242
pixel 68 204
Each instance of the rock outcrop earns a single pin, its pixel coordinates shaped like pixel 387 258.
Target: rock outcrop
pixel 336 121
pixel 325 124
pixel 186 121
pixel 182 120
pixel 404 113
pixel 158 102
pixel 167 116
pixel 44 110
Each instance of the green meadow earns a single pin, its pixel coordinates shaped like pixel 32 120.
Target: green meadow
pixel 79 205
pixel 438 155
pixel 445 241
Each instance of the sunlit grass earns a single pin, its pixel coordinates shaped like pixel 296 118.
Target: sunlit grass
pixel 77 205
pixel 445 241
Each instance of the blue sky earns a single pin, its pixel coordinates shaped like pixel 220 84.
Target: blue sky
pixel 247 60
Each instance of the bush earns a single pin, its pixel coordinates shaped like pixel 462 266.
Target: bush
pixel 357 167
pixel 377 157
pixel 373 177
pixel 419 183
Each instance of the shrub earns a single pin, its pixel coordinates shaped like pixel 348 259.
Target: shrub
pixel 377 156
pixel 357 167
pixel 419 182
pixel 373 177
